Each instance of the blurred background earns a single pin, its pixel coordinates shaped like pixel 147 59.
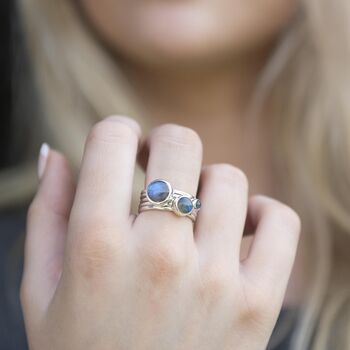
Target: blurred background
pixel 305 76
pixel 13 151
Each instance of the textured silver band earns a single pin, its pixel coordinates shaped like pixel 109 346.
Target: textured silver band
pixel 171 203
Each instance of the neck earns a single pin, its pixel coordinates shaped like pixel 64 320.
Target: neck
pixel 189 95
pixel 211 101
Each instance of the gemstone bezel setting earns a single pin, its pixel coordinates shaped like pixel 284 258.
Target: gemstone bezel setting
pixel 197 204
pixel 153 183
pixel 179 206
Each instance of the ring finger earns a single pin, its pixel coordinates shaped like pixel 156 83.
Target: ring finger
pixel 220 224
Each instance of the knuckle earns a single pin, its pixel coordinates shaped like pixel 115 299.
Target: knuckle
pixel 28 295
pixel 216 282
pixel 163 262
pixel 131 122
pixel 256 304
pixel 108 131
pixel 99 221
pixel 93 251
pixel 42 204
pixel 256 310
pixel 36 208
pixel 284 216
pixel 177 136
pixel 292 217
pixel 228 174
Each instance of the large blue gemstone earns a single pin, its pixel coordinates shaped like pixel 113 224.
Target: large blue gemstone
pixel 185 205
pixel 158 191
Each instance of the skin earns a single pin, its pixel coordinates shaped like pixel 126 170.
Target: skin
pixel 96 277
pixel 182 33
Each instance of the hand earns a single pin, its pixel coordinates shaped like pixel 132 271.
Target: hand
pixel 97 277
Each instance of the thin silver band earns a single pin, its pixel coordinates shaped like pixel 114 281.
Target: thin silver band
pixel 146 204
pixel 169 204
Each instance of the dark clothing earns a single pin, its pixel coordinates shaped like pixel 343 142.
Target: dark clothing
pixel 12 227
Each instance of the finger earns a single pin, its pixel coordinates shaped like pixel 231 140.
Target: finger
pixel 46 231
pixel 175 155
pixel 220 222
pixel 272 253
pixel 104 188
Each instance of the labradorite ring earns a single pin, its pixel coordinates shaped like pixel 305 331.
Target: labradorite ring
pixel 159 195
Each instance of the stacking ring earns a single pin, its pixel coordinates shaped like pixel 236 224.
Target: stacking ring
pixel 159 195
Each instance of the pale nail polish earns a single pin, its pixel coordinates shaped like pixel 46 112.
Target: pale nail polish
pixel 43 155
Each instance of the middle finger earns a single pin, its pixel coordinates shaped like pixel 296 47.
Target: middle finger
pixel 175 155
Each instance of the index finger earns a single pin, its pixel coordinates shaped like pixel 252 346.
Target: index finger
pixel 104 188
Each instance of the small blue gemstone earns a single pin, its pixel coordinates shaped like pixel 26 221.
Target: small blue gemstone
pixel 185 205
pixel 197 204
pixel 158 191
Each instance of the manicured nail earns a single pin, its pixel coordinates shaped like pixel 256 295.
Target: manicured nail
pixel 43 155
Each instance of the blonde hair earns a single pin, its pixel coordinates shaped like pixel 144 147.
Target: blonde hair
pixel 305 81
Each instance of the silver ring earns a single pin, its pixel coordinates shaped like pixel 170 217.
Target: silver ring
pixel 159 195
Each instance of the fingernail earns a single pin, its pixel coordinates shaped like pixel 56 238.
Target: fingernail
pixel 43 155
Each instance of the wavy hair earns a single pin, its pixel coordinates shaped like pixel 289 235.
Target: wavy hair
pixel 306 81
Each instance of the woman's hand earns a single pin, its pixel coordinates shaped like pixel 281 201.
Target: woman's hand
pixel 96 277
